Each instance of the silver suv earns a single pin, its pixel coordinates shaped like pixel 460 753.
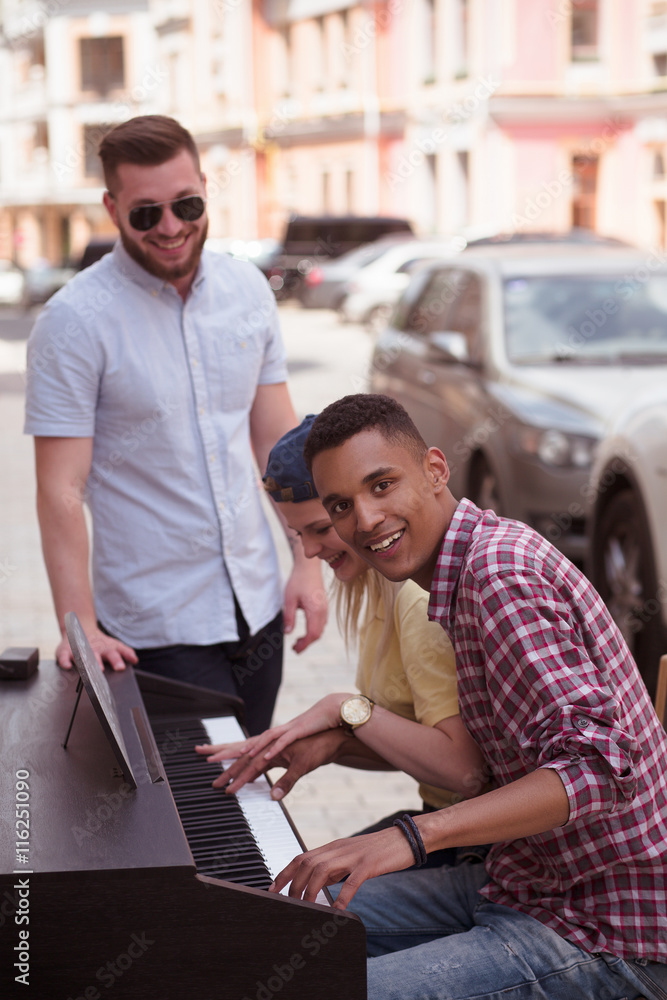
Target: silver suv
pixel 513 358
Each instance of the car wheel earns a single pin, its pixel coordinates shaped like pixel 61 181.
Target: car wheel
pixel 624 574
pixel 484 490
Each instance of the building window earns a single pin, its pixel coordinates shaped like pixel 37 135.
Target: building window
pixel 344 48
pixel 461 35
pixel 431 191
pixel 41 135
pixel 102 64
pixel 661 221
pixel 584 192
pixel 349 191
pixel 286 46
pixel 429 41
pixel 322 68
pixel 462 167
pixel 585 29
pixel 660 63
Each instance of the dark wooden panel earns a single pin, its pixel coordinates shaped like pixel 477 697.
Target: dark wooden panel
pixel 115 906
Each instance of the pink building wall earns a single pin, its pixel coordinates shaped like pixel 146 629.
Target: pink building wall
pixel 536 31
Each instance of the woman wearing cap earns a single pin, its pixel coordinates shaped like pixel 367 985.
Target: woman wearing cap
pixel 406 672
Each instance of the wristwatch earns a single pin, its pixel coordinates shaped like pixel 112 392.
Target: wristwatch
pixel 355 711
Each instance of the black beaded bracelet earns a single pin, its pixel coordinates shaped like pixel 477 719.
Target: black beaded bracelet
pixel 416 844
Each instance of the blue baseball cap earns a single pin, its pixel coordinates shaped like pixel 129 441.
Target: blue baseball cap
pixel 287 479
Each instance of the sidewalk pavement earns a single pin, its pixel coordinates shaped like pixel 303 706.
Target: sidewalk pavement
pixel 327 360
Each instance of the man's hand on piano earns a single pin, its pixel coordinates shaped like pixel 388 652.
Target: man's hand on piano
pixel 360 858
pixel 300 757
pixel 106 650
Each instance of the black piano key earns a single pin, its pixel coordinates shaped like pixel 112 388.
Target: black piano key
pixel 220 839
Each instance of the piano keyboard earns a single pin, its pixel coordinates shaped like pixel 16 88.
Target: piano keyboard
pixel 244 838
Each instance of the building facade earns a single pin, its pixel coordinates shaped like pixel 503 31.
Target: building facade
pixel 467 116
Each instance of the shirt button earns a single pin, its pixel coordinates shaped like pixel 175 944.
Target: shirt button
pixel 243 344
pixel 195 362
pixel 211 458
pixel 221 505
pixel 154 293
pixel 581 722
pixel 201 411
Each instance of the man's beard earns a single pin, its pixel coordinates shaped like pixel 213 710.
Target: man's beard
pixel 168 272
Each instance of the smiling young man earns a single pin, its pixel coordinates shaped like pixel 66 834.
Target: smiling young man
pixel 573 899
pixel 153 377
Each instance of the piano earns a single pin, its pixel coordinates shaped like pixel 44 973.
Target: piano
pixel 157 891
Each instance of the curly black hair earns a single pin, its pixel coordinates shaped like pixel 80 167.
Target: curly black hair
pixel 361 412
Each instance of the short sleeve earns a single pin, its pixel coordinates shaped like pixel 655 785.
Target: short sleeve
pixel 428 657
pixel 274 364
pixel 63 375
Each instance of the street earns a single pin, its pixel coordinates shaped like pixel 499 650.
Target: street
pixel 326 360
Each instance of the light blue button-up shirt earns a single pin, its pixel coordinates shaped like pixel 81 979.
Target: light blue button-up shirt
pixel 165 390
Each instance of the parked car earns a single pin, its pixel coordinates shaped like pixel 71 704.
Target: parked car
pixel 513 358
pixel 324 286
pixel 373 291
pixel 42 279
pixel 311 240
pixel 575 235
pixel 96 248
pixel 260 252
pixel 627 504
pixel 12 283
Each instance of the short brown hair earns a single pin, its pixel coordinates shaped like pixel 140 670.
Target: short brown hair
pixel 348 416
pixel 147 140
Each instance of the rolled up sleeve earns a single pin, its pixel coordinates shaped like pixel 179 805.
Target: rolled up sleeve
pixel 595 763
pixel 546 692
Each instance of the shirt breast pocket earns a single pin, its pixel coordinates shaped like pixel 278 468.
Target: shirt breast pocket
pixel 238 364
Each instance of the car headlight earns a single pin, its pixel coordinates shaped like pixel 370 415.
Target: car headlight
pixel 556 448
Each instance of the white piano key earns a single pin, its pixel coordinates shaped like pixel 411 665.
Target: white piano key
pixel 270 827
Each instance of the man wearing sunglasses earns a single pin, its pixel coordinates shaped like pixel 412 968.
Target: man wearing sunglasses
pixel 153 378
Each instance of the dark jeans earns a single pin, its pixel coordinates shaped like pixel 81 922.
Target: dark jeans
pixel 250 667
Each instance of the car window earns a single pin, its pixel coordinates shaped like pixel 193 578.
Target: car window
pixel 409 265
pixel 451 300
pixel 427 312
pixel 590 319
pixel 465 313
pixel 332 236
pixel 365 255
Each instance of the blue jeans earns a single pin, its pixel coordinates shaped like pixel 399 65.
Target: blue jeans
pixel 431 936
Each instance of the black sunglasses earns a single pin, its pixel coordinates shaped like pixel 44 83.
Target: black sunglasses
pixel 188 209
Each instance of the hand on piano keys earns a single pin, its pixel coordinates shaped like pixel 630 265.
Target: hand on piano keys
pixel 301 757
pixel 358 858
pixel 324 715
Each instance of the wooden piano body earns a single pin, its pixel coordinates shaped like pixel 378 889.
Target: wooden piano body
pixel 114 903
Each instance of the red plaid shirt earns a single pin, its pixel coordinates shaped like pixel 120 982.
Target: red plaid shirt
pixel 546 680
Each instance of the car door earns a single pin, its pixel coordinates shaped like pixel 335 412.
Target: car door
pixel 444 396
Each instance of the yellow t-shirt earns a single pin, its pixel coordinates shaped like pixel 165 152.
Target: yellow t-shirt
pixel 416 677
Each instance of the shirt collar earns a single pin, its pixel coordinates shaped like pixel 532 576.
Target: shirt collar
pixel 140 276
pixel 448 565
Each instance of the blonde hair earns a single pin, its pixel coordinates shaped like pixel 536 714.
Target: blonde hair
pixel 354 599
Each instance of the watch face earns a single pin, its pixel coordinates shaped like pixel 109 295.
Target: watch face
pixel 356 710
